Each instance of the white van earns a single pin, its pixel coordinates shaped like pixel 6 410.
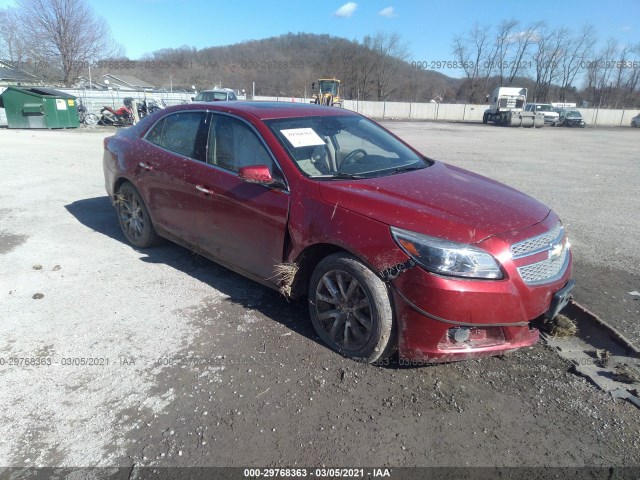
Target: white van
pixel 551 117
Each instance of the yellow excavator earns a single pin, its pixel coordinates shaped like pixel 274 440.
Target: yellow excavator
pixel 328 92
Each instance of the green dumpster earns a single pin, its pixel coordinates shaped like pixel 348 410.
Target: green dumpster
pixel 39 108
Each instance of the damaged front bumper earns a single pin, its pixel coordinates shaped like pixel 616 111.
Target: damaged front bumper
pixel 442 319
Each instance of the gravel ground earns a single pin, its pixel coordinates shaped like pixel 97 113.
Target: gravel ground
pixel 199 366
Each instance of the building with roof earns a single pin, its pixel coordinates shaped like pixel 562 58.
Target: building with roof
pixel 126 83
pixel 11 75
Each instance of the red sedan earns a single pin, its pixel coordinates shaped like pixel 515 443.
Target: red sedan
pixel 394 250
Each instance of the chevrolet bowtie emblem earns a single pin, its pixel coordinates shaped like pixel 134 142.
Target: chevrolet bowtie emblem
pixel 555 250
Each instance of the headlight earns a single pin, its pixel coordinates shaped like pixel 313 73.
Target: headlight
pixel 447 258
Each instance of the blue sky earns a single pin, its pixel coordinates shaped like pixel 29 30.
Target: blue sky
pixel 428 27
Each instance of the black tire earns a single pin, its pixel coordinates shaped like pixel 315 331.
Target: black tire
pixel 351 309
pixel 134 218
pixel 485 118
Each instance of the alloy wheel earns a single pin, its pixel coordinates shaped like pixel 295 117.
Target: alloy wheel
pixel 132 216
pixel 344 310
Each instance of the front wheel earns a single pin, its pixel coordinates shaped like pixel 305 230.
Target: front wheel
pixel 134 218
pixel 351 309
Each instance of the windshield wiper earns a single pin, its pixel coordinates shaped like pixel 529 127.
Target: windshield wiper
pixel 408 168
pixel 340 175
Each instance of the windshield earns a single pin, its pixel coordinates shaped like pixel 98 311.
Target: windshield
pixel 212 96
pixel 329 86
pixel 544 108
pixel 343 147
pixel 574 115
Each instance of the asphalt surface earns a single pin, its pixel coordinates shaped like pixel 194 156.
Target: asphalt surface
pixel 162 358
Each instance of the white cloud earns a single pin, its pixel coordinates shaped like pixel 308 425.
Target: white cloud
pixel 346 10
pixel 523 35
pixel 387 12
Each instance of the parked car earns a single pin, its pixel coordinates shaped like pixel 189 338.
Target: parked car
pixel 635 121
pixel 393 249
pixel 572 118
pixel 217 95
pixel 551 116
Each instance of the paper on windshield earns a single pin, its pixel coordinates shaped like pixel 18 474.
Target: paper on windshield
pixel 302 137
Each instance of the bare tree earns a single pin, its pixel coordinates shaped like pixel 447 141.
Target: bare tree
pixel 390 52
pixel 473 50
pixel 504 38
pixel 506 58
pixel 630 92
pixel 547 58
pixel 354 64
pixel 604 68
pixel 11 44
pixel 574 55
pixel 521 46
pixel 65 34
pixel 619 75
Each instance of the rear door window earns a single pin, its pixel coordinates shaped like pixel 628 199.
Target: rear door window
pixel 181 133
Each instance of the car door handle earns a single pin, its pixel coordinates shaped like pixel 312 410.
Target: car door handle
pixel 204 190
pixel 145 166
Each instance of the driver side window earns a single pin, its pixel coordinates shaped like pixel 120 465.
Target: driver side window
pixel 232 145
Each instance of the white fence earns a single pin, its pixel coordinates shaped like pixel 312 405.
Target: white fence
pixel 94 100
pixel 457 112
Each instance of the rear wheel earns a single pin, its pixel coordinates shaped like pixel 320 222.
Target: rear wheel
pixel 351 309
pixel 134 218
pixel 90 119
pixel 485 118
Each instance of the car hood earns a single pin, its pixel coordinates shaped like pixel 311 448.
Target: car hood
pixel 441 201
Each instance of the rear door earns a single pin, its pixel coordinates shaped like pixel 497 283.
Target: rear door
pixel 176 145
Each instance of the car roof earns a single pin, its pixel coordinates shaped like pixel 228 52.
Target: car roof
pixel 222 90
pixel 266 110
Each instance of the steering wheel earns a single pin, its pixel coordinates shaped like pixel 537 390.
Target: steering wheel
pixel 350 160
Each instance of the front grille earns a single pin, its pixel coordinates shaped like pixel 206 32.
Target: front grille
pixel 545 271
pixel 538 244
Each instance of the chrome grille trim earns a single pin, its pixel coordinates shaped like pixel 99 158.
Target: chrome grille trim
pixel 546 271
pixel 538 244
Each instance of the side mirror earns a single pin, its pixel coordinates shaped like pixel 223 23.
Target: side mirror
pixel 256 174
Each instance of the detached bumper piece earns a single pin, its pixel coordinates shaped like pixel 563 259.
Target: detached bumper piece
pixel 428 339
pixel 560 300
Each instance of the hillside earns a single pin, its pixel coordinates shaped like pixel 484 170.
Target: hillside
pixel 288 64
